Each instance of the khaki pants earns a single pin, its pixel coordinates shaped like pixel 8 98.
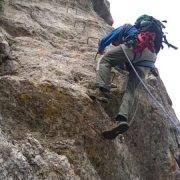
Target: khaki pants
pixel 116 57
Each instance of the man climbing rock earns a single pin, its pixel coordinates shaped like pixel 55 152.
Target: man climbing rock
pixel 140 43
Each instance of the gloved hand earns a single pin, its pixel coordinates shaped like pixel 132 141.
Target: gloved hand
pixel 115 43
pixel 101 52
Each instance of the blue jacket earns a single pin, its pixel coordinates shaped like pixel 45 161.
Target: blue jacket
pixel 121 34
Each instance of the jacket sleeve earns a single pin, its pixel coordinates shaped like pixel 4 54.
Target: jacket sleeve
pixel 110 37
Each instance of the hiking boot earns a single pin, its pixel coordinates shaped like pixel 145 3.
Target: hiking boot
pixel 100 94
pixel 120 129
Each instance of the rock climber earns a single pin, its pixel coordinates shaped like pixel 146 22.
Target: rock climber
pixel 141 42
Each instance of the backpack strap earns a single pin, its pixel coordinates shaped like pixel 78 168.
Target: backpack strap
pixel 168 44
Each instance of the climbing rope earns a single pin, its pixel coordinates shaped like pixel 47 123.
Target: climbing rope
pixel 149 92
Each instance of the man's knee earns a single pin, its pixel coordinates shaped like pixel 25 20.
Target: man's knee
pixel 105 60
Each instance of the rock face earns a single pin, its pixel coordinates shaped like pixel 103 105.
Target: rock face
pixel 102 7
pixel 49 127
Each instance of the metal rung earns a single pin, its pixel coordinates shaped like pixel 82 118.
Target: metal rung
pixel 73 5
pixel 78 21
pixel 72 8
pixel 92 38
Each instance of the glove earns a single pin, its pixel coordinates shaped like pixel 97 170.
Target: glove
pixel 115 43
pixel 101 52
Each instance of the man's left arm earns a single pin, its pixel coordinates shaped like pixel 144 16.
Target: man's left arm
pixel 109 38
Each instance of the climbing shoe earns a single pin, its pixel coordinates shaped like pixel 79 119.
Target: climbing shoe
pixel 100 94
pixel 120 129
pixel 121 118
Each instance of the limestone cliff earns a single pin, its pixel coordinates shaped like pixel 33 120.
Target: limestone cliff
pixel 49 127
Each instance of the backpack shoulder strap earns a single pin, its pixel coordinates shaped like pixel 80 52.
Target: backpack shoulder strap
pixel 168 44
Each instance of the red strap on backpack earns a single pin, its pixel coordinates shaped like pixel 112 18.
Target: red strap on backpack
pixel 144 40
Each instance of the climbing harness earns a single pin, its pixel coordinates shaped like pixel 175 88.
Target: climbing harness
pixel 145 63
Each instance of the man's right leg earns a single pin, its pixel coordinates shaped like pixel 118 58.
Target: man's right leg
pixel 122 116
pixel 111 59
pixel 126 105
